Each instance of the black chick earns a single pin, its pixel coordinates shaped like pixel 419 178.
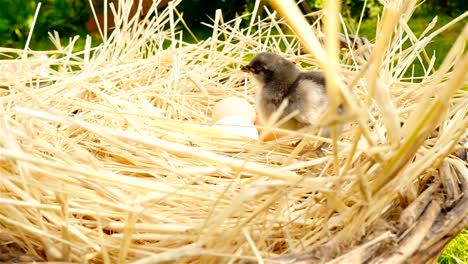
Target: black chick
pixel 279 80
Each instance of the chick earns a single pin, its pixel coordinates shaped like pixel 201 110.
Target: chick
pixel 280 80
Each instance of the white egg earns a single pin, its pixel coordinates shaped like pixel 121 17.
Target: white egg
pixel 237 125
pixel 233 106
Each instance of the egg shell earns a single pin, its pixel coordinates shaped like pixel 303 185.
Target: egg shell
pixel 237 125
pixel 233 106
pixel 274 135
pixel 270 136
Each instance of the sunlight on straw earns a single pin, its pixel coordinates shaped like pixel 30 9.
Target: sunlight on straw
pixel 109 154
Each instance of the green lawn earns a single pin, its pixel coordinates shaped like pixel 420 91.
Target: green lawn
pixel 438 47
pixel 456 250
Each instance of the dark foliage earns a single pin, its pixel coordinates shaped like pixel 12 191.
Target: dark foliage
pixel 197 11
pixel 68 17
pixel 16 16
pixel 452 8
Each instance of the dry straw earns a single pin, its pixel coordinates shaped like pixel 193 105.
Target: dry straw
pixel 107 154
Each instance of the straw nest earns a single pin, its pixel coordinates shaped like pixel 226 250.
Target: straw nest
pixel 107 154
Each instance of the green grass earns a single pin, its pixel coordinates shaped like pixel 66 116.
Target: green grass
pixel 438 47
pixel 456 252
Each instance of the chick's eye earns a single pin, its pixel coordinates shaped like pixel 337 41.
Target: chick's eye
pixel 261 69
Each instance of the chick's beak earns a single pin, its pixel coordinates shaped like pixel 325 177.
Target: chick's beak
pixel 247 68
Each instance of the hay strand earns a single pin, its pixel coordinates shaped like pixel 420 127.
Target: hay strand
pixel 108 154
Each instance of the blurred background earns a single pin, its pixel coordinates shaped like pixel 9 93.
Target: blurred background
pixel 74 17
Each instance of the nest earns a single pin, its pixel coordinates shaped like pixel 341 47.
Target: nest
pixel 107 154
